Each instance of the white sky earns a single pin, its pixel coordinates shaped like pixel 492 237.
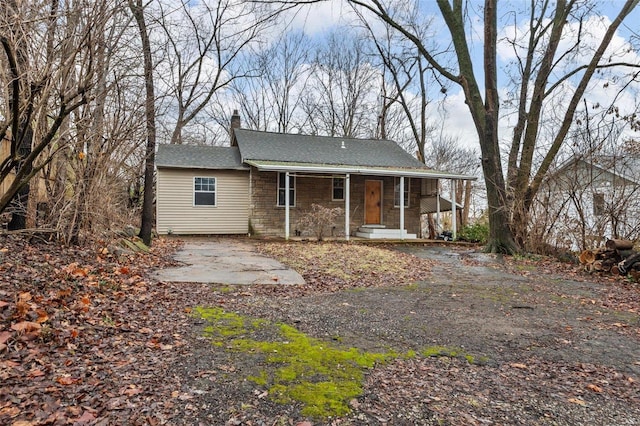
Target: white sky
pixel 320 17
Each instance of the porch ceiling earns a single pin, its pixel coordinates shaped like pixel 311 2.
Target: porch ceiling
pixel 430 205
pixel 277 166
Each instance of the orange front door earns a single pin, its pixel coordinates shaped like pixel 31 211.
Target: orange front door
pixel 372 202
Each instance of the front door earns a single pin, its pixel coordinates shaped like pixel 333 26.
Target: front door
pixel 372 202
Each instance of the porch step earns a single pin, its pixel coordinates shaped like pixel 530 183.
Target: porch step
pixel 370 232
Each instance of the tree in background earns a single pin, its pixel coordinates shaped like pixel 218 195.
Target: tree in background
pixel 548 71
pixel 342 99
pixel 200 48
pixel 275 83
pixel 48 74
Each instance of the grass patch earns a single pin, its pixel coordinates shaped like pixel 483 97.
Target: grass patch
pixel 347 262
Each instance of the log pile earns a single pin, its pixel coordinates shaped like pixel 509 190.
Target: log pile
pixel 616 257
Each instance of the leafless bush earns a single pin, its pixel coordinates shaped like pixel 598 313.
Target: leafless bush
pixel 318 219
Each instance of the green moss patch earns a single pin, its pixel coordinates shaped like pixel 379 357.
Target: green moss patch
pixel 453 352
pixel 320 375
pixel 295 368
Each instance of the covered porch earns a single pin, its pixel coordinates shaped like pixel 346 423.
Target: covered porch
pixel 378 203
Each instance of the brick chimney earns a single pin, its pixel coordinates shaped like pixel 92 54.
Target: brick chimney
pixel 235 124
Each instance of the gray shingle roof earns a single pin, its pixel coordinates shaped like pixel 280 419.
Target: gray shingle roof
pixel 268 146
pixel 199 157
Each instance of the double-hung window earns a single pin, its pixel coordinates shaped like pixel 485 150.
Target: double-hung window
pixel 338 189
pixel 204 191
pixel 396 192
pixel 282 189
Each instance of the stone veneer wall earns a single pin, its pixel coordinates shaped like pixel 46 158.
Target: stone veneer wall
pixel 267 219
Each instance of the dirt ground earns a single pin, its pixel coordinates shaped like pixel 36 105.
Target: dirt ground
pixel 498 341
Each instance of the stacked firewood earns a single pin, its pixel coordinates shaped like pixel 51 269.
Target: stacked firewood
pixel 616 257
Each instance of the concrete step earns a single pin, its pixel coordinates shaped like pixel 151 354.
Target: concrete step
pixel 383 233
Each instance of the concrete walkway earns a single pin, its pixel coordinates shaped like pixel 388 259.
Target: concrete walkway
pixel 226 261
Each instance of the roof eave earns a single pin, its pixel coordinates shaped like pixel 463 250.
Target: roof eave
pixel 356 170
pixel 182 166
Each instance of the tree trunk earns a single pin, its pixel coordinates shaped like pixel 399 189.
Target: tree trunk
pixel 147 204
pixel 500 233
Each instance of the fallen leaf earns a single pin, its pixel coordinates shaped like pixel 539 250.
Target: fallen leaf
pixel 35 373
pixel 42 316
pixel 4 336
pixel 3 303
pixel 518 365
pixel 66 380
pixel 577 401
pixel 26 327
pixel 594 388
pixel 85 419
pixel 25 297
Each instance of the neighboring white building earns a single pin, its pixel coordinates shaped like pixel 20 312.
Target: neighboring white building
pixel 590 199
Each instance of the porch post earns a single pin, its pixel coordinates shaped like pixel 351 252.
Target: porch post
pixel 286 206
pixel 453 210
pixel 437 209
pixel 347 201
pixel 402 206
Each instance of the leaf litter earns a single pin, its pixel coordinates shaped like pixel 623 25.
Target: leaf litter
pixel 89 338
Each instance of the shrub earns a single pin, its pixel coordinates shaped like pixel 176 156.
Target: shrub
pixel 476 233
pixel 317 220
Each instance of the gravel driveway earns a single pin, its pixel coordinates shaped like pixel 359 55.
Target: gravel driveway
pixel 509 345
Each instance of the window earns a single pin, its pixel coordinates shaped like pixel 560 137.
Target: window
pixel 338 189
pixel 281 189
pixel 204 191
pixel 396 192
pixel 598 204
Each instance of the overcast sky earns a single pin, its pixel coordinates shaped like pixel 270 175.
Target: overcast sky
pixel 319 18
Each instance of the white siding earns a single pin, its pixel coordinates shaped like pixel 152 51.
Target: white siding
pixel 176 213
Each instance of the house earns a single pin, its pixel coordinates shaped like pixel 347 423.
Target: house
pixel 265 181
pixel 37 193
pixel 590 198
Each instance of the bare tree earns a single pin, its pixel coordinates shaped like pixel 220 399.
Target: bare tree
pixel 548 64
pixel 275 81
pixel 201 46
pixel 343 96
pixel 150 116
pixel 411 82
pixel 48 68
